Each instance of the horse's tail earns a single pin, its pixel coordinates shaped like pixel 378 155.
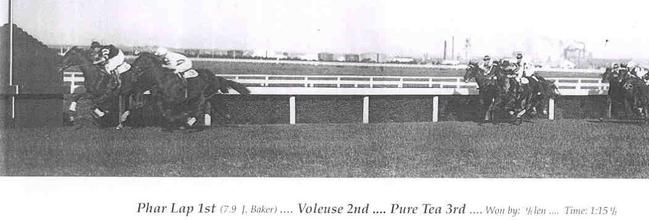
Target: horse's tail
pixel 552 89
pixel 240 88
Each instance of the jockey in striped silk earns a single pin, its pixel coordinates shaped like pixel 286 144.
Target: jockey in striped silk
pixel 175 61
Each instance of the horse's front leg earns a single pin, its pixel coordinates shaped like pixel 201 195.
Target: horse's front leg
pixel 73 105
pixel 220 107
pixel 195 110
pixel 123 111
pixel 166 116
pixel 489 115
pixel 609 113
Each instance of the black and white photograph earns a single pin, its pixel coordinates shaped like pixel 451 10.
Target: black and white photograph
pixel 302 90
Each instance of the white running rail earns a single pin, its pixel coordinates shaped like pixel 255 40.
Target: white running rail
pixel 366 86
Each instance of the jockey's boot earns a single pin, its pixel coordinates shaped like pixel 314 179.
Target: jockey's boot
pixel 181 75
pixel 116 78
pixel 535 78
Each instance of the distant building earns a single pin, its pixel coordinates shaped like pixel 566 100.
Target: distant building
pixel 352 58
pixel 325 56
pixel 450 62
pixel 191 52
pixel 339 57
pixel 403 60
pixel 370 58
pixel 235 53
pixel 308 56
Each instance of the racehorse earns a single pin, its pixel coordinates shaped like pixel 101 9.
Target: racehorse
pixel 487 88
pixel 615 90
pixel 543 91
pixel 98 84
pixel 636 95
pixel 620 91
pixel 177 98
pixel 512 97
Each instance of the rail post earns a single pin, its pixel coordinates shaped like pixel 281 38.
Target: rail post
pixel 551 109
pixel 72 82
pixel 435 108
pixel 291 102
pixel 366 109
pixel 207 120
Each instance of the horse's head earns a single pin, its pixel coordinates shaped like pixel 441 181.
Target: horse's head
pixel 73 57
pixel 607 73
pixel 169 87
pixel 471 71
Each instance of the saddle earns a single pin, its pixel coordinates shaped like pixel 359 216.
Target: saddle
pixel 191 73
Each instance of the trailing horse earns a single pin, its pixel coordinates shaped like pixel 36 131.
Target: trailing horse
pixel 621 91
pixel 98 84
pixel 636 96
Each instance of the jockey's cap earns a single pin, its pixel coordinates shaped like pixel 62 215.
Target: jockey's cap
pixel 486 58
pixel 161 51
pixel 631 64
pixel 519 56
pixel 623 65
pixel 615 65
pixel 94 45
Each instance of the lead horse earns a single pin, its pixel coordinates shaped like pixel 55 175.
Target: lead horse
pixel 98 84
pixel 179 100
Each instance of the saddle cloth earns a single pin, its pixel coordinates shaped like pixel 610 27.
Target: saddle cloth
pixel 190 74
pixel 123 68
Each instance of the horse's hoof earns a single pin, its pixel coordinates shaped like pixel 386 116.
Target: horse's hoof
pixel 519 121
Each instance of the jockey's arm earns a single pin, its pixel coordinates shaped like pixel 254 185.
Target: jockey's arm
pixel 177 62
pixel 102 60
pixel 520 71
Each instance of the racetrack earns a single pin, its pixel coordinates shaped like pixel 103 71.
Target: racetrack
pixel 564 148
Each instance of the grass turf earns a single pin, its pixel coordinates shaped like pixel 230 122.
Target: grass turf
pixel 559 149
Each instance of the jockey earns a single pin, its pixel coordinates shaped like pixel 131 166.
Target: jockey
pixel 109 56
pixel 175 61
pixel 637 70
pixel 485 65
pixel 623 70
pixel 523 69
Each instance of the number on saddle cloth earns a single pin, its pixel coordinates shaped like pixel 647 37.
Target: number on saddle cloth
pixel 190 74
pixel 122 68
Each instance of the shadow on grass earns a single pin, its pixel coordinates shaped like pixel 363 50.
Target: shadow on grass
pixel 640 122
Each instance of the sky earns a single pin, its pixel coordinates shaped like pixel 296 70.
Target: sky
pixel 406 27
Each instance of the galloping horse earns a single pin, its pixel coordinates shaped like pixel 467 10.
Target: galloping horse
pixel 622 90
pixel 615 90
pixel 543 91
pixel 176 98
pixel 513 98
pixel 636 94
pixel 98 83
pixel 487 88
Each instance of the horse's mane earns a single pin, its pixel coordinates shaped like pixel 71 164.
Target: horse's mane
pixel 145 57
